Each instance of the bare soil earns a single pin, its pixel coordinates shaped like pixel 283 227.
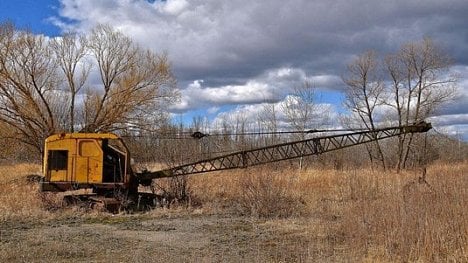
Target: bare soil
pixel 180 236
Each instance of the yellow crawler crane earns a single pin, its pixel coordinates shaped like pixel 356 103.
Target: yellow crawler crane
pixel 101 162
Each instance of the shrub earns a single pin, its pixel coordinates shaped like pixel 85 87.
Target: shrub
pixel 269 194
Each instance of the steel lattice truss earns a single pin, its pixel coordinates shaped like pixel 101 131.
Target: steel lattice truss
pixel 285 151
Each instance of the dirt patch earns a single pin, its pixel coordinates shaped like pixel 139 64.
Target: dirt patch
pixel 141 238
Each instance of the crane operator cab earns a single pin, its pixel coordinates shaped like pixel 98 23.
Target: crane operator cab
pixel 75 161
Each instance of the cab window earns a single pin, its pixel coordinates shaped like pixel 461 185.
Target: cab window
pixel 57 160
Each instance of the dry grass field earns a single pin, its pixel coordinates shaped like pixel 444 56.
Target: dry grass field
pixel 255 215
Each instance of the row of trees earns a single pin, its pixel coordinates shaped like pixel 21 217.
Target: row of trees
pixel 401 88
pixel 174 146
pixel 100 82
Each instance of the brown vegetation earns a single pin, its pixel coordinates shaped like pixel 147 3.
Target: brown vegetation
pixel 257 214
pixel 18 197
pixel 45 84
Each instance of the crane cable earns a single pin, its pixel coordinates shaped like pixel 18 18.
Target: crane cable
pixel 200 135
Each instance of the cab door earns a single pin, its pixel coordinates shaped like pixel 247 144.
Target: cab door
pixel 89 158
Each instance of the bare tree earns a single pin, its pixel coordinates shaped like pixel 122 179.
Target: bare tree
pixel 134 83
pixel 420 85
pixel 397 99
pixel 28 80
pixel 240 128
pixel 302 111
pixel 364 93
pixel 70 51
pixel 45 86
pixel 268 122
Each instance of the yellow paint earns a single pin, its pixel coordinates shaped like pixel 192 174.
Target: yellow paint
pixel 58 176
pixel 89 161
pixel 84 157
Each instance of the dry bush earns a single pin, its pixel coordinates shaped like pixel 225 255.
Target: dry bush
pixel 175 191
pixel 268 194
pixel 216 191
pixel 357 215
pixel 261 192
pixel 368 215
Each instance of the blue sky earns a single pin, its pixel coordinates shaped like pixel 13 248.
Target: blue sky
pixel 232 56
pixel 32 14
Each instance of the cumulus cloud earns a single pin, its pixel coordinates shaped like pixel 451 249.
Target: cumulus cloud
pixel 271 86
pixel 248 52
pixel 459 105
pixel 173 7
pixel 211 37
pixel 453 125
pixel 253 116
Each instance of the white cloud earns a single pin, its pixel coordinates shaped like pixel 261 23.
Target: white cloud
pixel 213 110
pixel 252 115
pixel 271 86
pixel 197 96
pixel 174 7
pixel 235 36
pixel 248 52
pixel 447 120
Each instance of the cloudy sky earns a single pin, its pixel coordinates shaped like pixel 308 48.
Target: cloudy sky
pixel 232 56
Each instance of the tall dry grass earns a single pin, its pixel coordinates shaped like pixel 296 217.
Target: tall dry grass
pixel 375 216
pixel 19 198
pixel 366 215
pixel 264 192
pixel 406 217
